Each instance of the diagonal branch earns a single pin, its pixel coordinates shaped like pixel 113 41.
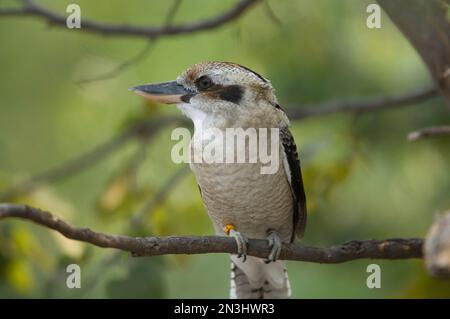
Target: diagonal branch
pixel 172 12
pixel 149 206
pixel 154 246
pixel 31 8
pixel 142 129
pixel 271 14
pixel 122 66
pixel 137 57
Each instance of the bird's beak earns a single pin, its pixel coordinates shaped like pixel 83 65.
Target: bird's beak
pixel 167 92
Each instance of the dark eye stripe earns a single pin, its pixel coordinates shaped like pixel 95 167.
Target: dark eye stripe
pixel 231 93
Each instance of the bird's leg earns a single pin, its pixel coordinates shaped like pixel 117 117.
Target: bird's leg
pixel 241 240
pixel 275 244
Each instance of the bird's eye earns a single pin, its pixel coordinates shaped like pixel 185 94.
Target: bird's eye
pixel 204 82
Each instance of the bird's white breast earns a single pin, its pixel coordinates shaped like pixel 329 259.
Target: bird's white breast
pixel 238 194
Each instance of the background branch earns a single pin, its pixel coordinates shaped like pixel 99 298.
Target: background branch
pixel 271 14
pixel 172 12
pixel 435 131
pixel 142 129
pixel 122 66
pixel 31 8
pixel 137 57
pixel 362 105
pixel 154 246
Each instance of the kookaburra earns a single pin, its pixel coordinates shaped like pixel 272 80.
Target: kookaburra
pixel 240 200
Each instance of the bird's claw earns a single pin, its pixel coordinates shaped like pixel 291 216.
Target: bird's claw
pixel 275 244
pixel 242 243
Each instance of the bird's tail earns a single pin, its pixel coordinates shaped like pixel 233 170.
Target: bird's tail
pixel 254 279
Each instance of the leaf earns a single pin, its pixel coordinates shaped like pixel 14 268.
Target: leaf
pixel 19 276
pixel 71 248
pixel 121 197
pixel 115 193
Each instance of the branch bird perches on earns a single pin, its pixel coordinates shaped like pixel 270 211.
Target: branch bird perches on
pixel 154 246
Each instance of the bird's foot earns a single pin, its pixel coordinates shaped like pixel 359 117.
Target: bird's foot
pixel 241 241
pixel 275 244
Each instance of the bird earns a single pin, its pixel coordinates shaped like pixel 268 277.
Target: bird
pixel 242 202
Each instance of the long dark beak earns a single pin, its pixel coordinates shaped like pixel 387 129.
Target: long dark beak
pixel 167 92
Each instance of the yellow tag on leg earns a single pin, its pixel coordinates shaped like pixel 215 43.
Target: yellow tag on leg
pixel 228 228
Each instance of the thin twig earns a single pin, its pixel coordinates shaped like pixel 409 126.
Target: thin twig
pixel 154 246
pixel 172 12
pixel 11 11
pixel 135 162
pixel 122 66
pixel 137 57
pixel 369 104
pixel 435 131
pixel 271 14
pixel 31 8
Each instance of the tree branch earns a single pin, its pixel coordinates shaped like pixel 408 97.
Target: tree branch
pixel 363 105
pixel 154 246
pixel 435 131
pixel 271 14
pixel 137 57
pixel 172 12
pixel 31 8
pixel 426 25
pixel 122 66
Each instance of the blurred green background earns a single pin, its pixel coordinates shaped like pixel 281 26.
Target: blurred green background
pixel 363 179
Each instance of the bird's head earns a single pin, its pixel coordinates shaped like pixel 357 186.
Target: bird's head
pixel 220 94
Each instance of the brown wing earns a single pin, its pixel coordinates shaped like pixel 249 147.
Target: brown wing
pixel 290 149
